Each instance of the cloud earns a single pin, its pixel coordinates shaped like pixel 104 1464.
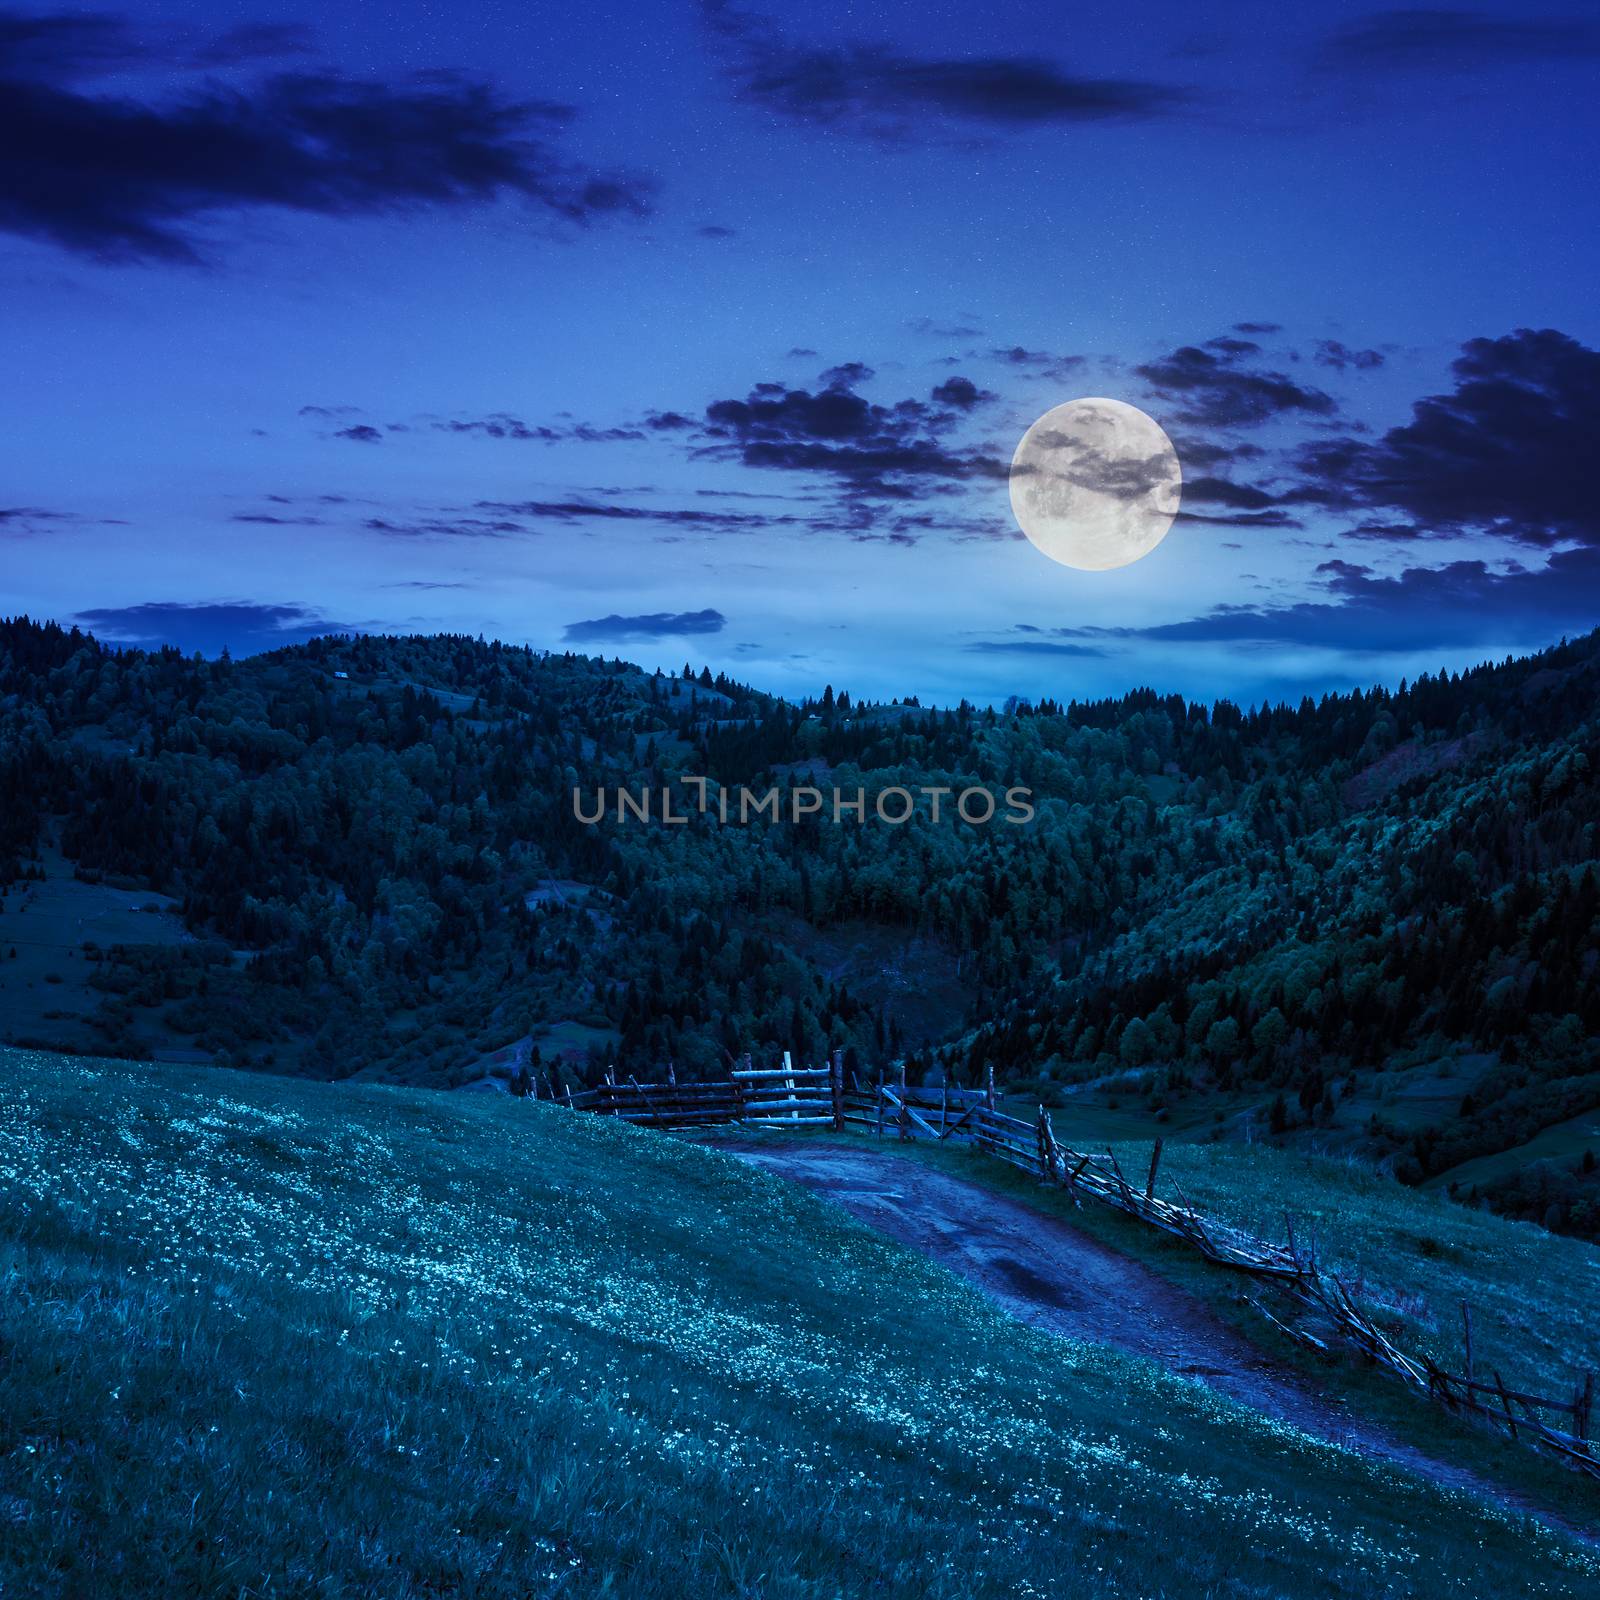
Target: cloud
pixel 1465 603
pixel 603 511
pixel 716 230
pixel 1216 387
pixel 883 94
pixel 966 327
pixel 1507 450
pixel 1443 39
pixel 654 625
pixel 451 527
pixel 500 425
pixel 256 41
pixel 124 179
pixel 1032 647
pixel 24 519
pixel 1040 361
pixel 1331 353
pixel 898 451
pixel 1225 492
pixel 962 393
pixel 361 433
pixel 241 627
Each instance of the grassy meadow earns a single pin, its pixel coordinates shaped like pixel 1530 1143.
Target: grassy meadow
pixel 268 1337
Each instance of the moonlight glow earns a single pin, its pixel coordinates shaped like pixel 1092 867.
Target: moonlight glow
pixel 1095 484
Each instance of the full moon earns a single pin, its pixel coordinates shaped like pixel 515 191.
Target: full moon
pixel 1095 484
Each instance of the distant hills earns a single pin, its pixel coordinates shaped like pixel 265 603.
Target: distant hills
pixel 1366 923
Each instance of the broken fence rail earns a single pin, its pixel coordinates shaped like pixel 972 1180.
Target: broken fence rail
pixel 787 1096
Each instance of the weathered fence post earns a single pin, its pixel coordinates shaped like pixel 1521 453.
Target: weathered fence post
pixel 903 1120
pixel 739 1089
pixel 836 1088
pixel 788 1084
pixel 877 1097
pixel 1044 1148
pixel 1155 1162
pixel 988 1087
pixel 1466 1324
pixel 1057 1165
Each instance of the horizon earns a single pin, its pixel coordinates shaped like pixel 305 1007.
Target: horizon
pixel 1066 700
pixel 523 326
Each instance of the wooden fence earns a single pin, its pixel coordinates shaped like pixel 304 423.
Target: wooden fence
pixel 786 1096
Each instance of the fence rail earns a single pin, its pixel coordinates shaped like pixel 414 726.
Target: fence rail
pixel 786 1096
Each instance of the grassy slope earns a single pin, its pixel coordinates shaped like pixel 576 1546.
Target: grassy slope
pixel 259 1335
pixel 1412 1257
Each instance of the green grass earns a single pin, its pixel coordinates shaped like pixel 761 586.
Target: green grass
pixel 261 1336
pixel 1562 1141
pixel 1412 1257
pixel 45 992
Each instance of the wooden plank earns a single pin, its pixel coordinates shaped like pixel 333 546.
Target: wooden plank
pixel 1155 1163
pixel 910 1115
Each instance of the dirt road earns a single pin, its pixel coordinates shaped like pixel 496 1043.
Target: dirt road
pixel 1048 1273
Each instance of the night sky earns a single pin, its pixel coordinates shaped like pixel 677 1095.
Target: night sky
pixel 694 332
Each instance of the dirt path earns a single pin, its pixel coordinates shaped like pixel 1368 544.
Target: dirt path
pixel 1046 1272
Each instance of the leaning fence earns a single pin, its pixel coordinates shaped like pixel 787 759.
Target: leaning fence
pixel 813 1097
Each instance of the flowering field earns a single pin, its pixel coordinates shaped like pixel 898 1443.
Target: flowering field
pixel 263 1337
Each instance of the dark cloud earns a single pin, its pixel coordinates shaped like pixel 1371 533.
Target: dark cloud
pixel 133 180
pixel 502 426
pixel 1041 361
pixel 1225 492
pixel 880 93
pixel 1204 454
pixel 894 452
pixel 446 527
pixel 846 375
pixel 240 627
pixel 24 518
pixel 1258 327
pixel 962 393
pixel 1431 39
pixel 1507 451
pixel 1241 519
pixel 1466 603
pixel 361 433
pixel 1332 353
pixel 602 511
pixel 1216 387
pixel 715 230
pixel 655 625
pixel 1032 647
pixel 271 519
pixel 256 41
pixel 929 327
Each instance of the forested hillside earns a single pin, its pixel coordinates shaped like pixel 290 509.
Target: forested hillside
pixel 1368 921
